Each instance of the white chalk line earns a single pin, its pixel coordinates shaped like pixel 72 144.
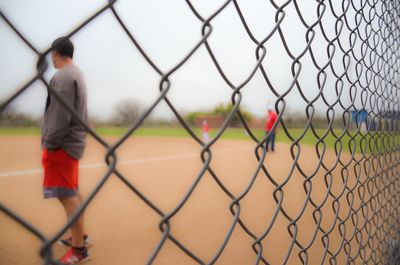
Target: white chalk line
pixel 123 162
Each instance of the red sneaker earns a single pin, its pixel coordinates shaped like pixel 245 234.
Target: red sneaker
pixel 74 257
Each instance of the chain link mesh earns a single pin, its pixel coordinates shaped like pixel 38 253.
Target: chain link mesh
pixel 365 210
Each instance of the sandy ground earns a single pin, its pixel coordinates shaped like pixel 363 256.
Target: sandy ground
pixel 125 230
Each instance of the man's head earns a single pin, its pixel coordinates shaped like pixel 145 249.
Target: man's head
pixel 62 52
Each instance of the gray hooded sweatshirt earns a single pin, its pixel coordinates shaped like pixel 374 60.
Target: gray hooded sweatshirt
pixel 59 128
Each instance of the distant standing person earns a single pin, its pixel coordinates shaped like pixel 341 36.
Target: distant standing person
pixel 63 143
pixel 205 129
pixel 271 119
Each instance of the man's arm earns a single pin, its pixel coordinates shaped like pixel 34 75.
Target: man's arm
pixel 59 117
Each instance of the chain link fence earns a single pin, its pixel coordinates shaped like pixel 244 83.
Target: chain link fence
pixel 364 213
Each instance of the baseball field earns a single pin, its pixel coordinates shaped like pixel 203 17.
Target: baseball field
pixel 125 230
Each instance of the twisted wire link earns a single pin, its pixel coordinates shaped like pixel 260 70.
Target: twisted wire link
pixel 354 223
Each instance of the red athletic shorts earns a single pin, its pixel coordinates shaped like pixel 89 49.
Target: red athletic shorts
pixel 60 174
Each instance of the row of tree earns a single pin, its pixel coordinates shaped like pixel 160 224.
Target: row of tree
pixel 125 113
pixel 221 110
pixel 10 117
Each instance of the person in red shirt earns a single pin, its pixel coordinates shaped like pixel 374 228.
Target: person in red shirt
pixel 271 119
pixel 205 129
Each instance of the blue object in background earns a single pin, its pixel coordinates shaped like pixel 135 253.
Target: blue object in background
pixel 359 116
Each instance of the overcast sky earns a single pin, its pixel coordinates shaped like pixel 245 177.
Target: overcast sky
pixel 167 31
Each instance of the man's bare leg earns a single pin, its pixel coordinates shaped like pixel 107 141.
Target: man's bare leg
pixel 71 204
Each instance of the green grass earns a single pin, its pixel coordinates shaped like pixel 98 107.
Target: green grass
pixel 19 131
pixel 145 131
pixel 329 140
pixel 230 133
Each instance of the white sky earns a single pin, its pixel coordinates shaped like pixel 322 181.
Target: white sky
pixel 167 31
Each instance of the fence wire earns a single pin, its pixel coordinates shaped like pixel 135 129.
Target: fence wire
pixel 369 232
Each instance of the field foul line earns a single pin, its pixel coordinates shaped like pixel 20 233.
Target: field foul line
pixel 124 162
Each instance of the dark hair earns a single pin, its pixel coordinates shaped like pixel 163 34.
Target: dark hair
pixel 63 46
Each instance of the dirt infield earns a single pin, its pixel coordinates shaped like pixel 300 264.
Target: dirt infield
pixel 125 230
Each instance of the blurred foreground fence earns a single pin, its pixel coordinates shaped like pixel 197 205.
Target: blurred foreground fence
pixel 362 57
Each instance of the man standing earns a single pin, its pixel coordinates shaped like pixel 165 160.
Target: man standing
pixel 205 129
pixel 63 142
pixel 271 119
